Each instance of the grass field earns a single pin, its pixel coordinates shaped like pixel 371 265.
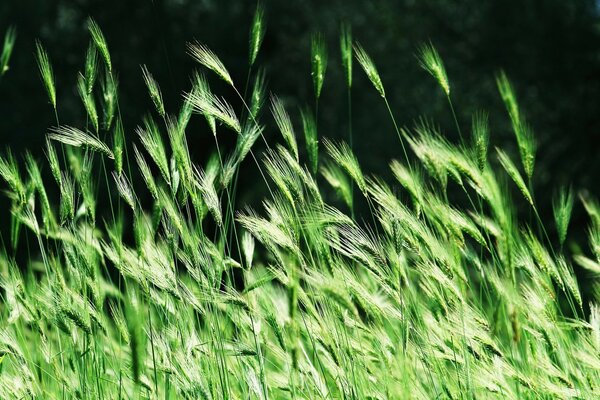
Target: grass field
pixel 443 290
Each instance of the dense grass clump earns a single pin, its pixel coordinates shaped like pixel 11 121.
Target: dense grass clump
pixel 442 291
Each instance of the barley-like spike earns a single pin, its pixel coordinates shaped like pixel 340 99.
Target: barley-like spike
pixel 154 91
pixel 562 205
pixel 257 33
pixel 311 138
pixel 514 174
pixel 100 42
pixel 206 57
pixel 318 62
pixel 46 72
pixel 346 50
pixel 369 67
pixel 431 62
pixel 75 137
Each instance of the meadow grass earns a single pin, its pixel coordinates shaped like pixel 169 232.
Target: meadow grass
pixel 186 296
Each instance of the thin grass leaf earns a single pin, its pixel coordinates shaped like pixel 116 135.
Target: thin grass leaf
pixel 369 67
pixel 75 137
pixel 206 57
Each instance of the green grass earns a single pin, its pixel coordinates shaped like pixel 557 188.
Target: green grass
pixel 425 298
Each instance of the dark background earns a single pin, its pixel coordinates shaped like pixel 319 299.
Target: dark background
pixel 549 48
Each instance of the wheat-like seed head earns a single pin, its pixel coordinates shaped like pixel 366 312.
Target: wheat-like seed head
pixel 75 137
pixel 154 91
pixel 431 62
pixel 311 138
pixel 100 42
pixel 318 51
pixel 257 33
pixel 46 72
pixel 88 101
pixel 206 57
pixel 284 123
pixel 369 67
pixel 152 142
pixel 562 205
pixel 206 103
pixel 347 52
